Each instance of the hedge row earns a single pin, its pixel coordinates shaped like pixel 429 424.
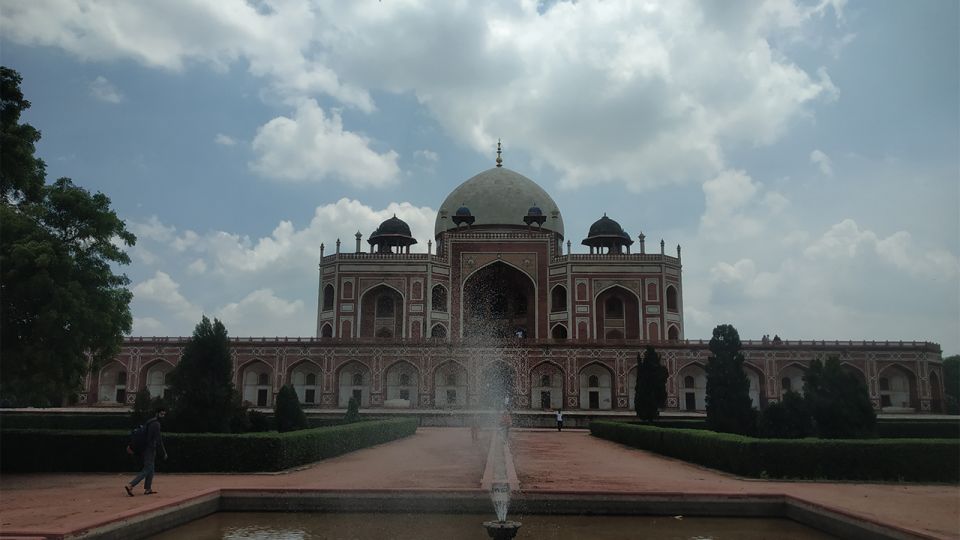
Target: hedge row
pixel 918 429
pixel 885 428
pixel 909 460
pixel 111 420
pixel 40 450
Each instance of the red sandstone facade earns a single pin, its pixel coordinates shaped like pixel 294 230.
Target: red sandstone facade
pixel 501 312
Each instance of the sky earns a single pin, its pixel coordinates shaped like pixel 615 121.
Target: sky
pixel 806 155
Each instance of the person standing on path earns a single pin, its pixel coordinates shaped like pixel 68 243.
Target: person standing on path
pixel 559 420
pixel 154 443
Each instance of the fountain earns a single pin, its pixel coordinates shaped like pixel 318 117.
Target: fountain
pixel 501 529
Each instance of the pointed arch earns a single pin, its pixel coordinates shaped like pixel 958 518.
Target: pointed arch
pixel 112 383
pixel 546 385
pixel 256 381
pixel 897 388
pixel 673 303
pixel 155 375
pixel 692 386
pixel 328 297
pixel 382 309
pixel 617 313
pixel 559 331
pixel 306 377
pixel 439 298
pixel 499 300
pixel 450 385
pixel 596 386
pixel 790 378
pixel 558 298
pixel 402 385
pixel 354 380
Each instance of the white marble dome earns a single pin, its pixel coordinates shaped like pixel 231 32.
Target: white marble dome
pixel 499 196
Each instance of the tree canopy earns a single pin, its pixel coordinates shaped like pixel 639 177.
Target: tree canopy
pixel 62 308
pixel 651 388
pixel 729 408
pixel 201 384
pixel 837 401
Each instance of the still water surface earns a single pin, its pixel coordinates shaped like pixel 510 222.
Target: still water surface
pixel 317 526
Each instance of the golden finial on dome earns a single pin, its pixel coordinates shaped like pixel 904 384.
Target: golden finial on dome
pixel 499 160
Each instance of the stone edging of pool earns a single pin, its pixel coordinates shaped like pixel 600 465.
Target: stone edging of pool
pixel 149 521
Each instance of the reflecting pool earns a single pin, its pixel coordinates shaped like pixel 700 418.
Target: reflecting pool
pixel 346 526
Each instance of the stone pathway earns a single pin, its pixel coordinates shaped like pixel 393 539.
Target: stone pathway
pixel 439 459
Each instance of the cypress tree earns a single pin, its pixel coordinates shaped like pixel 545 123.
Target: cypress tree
pixel 729 408
pixel 287 412
pixel 201 385
pixel 651 388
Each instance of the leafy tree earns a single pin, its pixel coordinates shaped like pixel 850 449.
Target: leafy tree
pixel 21 174
pixel 353 410
pixel 951 383
pixel 837 400
pixel 651 389
pixel 788 419
pixel 62 309
pixel 287 412
pixel 201 385
pixel 729 408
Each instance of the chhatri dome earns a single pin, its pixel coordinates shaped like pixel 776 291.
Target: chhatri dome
pixel 498 196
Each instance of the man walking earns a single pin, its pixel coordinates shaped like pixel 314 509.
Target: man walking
pixel 559 420
pixel 154 442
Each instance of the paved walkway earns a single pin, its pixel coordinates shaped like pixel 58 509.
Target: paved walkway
pixel 446 458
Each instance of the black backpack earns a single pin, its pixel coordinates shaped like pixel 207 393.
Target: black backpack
pixel 138 437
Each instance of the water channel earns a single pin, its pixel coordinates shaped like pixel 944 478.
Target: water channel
pixel 348 526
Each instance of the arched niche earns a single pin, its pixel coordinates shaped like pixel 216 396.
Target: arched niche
pixel 596 388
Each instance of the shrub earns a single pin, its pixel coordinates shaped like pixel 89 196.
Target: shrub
pixel 141 408
pixel 287 412
pixel 837 401
pixel 912 460
pixel 353 410
pixel 104 451
pixel 788 419
pixel 257 422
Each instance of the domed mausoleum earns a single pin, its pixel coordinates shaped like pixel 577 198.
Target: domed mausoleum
pixel 498 310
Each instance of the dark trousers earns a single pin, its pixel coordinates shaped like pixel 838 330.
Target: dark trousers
pixel 559 425
pixel 149 460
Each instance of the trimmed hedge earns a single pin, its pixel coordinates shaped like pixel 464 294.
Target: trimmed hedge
pixel 40 450
pixel 66 421
pixel 918 429
pixel 907 460
pixel 101 421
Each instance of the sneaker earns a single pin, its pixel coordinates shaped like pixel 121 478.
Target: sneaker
pixel 128 489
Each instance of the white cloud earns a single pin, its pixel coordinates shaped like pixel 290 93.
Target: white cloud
pixel 224 140
pixel 104 90
pixel 426 155
pixel 845 240
pixel 314 147
pixel 737 207
pixel 152 229
pixel 148 326
pixel 163 290
pixel 276 45
pixel 198 266
pixel 662 89
pixel 262 313
pixel 823 161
